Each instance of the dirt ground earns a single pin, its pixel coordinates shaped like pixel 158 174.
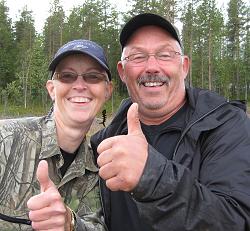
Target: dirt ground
pixel 97 125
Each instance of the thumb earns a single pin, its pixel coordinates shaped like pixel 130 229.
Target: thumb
pixel 42 174
pixel 134 126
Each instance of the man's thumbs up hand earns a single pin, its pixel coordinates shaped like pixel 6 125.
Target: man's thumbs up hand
pixel 47 210
pixel 123 158
pixel 134 126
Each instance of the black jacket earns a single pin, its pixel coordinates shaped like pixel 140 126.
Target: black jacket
pixel 206 186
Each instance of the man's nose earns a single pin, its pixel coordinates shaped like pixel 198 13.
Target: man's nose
pixel 152 65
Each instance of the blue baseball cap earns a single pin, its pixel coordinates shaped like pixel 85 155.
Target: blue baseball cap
pixel 147 19
pixel 81 46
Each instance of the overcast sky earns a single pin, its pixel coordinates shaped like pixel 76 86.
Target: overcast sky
pixel 41 8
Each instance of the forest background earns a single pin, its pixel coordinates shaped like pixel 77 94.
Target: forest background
pixel 216 40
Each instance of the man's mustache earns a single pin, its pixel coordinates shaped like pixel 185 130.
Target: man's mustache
pixel 153 78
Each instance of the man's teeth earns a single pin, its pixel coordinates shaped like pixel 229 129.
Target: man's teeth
pixel 153 84
pixel 80 100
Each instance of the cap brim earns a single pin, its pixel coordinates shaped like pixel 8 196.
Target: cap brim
pixel 146 19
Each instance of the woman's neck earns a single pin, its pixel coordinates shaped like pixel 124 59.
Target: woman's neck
pixel 70 138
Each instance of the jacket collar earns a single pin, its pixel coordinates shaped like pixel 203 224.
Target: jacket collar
pixel 203 101
pixel 49 148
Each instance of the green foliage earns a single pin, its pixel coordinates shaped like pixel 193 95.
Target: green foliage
pixel 7 47
pixel 217 42
pixel 235 33
pixel 166 8
pixel 31 62
pixel 73 27
pixel 25 31
pixel 53 29
pixel 215 49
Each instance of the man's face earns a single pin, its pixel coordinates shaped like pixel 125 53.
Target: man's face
pixel 156 85
pixel 77 102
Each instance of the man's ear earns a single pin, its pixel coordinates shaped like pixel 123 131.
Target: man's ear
pixel 51 89
pixel 120 70
pixel 185 64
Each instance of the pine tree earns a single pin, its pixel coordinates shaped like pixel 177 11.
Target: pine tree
pixel 25 36
pixel 53 29
pixel 7 47
pixel 235 27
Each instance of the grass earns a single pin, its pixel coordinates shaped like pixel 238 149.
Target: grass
pixel 12 111
pixel 37 109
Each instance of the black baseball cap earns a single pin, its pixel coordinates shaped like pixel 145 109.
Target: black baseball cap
pixel 81 46
pixel 147 19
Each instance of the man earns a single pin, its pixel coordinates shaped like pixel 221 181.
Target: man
pixel 179 158
pixel 48 176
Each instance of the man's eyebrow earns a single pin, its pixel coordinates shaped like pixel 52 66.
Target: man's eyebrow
pixel 142 49
pixel 137 48
pixel 167 46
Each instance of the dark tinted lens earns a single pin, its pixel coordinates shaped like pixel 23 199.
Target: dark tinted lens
pixel 94 77
pixel 67 77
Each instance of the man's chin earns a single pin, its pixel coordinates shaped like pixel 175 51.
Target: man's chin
pixel 152 105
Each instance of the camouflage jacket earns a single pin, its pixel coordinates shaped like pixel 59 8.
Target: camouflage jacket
pixel 23 143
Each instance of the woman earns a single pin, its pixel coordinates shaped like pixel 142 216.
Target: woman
pixel 65 193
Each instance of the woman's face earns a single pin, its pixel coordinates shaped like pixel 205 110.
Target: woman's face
pixel 76 103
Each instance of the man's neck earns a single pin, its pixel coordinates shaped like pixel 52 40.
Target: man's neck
pixel 154 118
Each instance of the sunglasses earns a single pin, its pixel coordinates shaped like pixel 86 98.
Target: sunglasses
pixel 71 77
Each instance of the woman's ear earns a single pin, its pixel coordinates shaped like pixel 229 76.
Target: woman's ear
pixel 109 90
pixel 51 89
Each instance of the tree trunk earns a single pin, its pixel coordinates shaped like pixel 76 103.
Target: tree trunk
pixel 209 59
